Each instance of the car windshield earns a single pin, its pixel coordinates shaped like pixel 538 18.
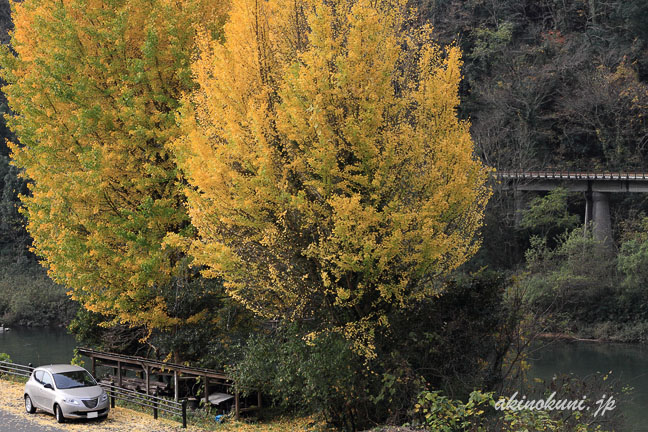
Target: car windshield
pixel 73 379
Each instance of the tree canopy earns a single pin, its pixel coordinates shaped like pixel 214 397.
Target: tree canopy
pixel 94 87
pixel 330 177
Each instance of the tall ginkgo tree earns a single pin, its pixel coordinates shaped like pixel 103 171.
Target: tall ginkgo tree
pixel 94 87
pixel 331 179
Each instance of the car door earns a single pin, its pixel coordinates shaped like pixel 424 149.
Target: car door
pixel 35 390
pixel 47 394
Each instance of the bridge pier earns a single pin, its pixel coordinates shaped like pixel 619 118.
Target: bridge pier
pixel 596 186
pixel 601 222
pixel 588 211
pixel 519 207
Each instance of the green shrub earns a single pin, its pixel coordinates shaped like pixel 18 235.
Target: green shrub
pixel 574 277
pixel 436 412
pixel 4 357
pixel 319 376
pixel 549 215
pixel 456 342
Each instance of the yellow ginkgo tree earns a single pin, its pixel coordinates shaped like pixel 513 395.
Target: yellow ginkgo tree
pixel 94 87
pixel 330 178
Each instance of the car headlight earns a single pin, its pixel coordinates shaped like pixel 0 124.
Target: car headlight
pixel 104 397
pixel 71 401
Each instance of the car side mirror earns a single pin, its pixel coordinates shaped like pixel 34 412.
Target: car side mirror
pixel 48 386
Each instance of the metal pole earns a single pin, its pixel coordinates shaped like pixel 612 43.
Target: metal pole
pixel 176 390
pixel 184 414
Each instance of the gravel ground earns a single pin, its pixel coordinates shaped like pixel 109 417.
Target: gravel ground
pixel 13 418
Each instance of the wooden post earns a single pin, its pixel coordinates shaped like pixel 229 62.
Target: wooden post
pixel 119 374
pixel 206 391
pixel 259 399
pixel 236 404
pixel 148 381
pixel 176 390
pixel 94 367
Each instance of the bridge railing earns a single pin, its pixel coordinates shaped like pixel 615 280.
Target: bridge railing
pixel 571 175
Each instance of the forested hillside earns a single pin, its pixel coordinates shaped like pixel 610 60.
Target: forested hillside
pixel 552 83
pixel 560 85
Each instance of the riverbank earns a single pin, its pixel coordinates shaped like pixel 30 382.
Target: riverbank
pixel 632 332
pixel 567 337
pixel 126 420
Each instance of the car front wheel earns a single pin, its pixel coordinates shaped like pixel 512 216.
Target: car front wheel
pixel 59 414
pixel 29 406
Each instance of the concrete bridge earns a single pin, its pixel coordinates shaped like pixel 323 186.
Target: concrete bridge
pixel 596 186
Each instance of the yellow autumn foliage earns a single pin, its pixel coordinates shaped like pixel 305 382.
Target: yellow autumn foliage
pixel 329 175
pixel 94 86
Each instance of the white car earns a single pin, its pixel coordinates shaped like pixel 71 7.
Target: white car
pixel 66 391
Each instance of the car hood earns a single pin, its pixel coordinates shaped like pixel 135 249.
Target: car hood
pixel 83 392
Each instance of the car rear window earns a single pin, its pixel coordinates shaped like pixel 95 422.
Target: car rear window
pixel 73 379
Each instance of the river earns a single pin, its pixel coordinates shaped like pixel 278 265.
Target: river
pixel 628 363
pixel 38 346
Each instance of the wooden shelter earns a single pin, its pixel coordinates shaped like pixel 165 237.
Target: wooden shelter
pixel 148 367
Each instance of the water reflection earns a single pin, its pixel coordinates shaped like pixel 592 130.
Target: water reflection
pixel 38 346
pixel 628 364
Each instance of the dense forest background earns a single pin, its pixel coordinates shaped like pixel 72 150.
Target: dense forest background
pixel 550 85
